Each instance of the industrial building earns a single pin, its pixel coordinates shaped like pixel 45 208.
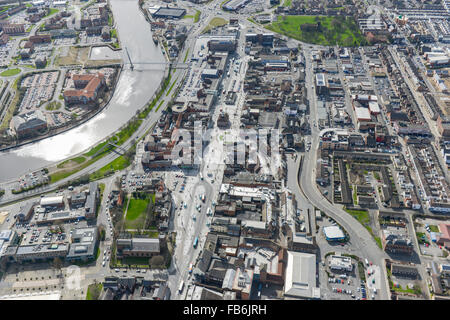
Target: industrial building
pixel 169 13
pixel 300 280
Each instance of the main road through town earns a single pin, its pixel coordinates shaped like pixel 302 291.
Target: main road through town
pixel 360 238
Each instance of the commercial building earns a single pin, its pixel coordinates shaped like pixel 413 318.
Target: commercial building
pixel 242 283
pixel 92 201
pixel 29 124
pixel 26 211
pixel 41 252
pixel 86 89
pixel 340 263
pixel 444 238
pixel 333 233
pixel 137 247
pixel 321 84
pixel 300 282
pixel 169 13
pixel 57 201
pixel 234 5
pixel 84 244
pixel 222 45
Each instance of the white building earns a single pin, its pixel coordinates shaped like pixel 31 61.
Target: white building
pixel 301 280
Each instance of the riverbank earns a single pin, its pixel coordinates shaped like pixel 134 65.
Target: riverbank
pixel 70 127
pixel 133 91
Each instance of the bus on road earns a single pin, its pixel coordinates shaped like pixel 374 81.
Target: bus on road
pixel 195 242
pixel 181 287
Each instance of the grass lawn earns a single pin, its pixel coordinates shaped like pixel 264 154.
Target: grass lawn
pixel 186 56
pixel 214 23
pixel 136 213
pixel 197 16
pixel 171 87
pixel 332 30
pixel 287 3
pixel 363 217
pixel 51 12
pixel 119 163
pixel 160 104
pixel 78 160
pixel 93 290
pixel 10 72
pixel 434 228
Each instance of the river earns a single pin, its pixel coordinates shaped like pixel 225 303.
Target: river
pixel 133 90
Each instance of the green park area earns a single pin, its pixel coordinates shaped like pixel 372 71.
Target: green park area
pixel 320 30
pixel 10 72
pixel 215 23
pixel 137 212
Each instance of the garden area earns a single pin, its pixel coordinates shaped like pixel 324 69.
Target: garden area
pixel 139 212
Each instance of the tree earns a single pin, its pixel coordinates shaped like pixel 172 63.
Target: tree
pixel 156 261
pixel 3 265
pixel 102 232
pixel 57 263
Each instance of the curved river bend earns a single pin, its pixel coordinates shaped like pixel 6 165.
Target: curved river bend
pixel 133 90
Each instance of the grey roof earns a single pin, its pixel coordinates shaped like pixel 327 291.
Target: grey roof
pixel 91 200
pixel 205 260
pixel 84 243
pixel 145 244
pixel 29 120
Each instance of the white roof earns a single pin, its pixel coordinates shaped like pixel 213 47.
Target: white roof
pixel 254 224
pixel 362 113
pixel 48 201
pixel 333 232
pixel 374 107
pixel 301 276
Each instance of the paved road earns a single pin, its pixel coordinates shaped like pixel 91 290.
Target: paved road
pixel 359 236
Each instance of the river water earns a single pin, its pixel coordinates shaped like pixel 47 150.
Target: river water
pixel 133 90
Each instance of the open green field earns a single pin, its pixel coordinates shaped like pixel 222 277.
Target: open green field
pixel 10 72
pixel 77 160
pixel 342 31
pixel 119 163
pixel 94 291
pixel 136 213
pixel 215 23
pixel 51 12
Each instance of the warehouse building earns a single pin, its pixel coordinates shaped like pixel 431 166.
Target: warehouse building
pixel 300 282
pixel 57 201
pixel 169 13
